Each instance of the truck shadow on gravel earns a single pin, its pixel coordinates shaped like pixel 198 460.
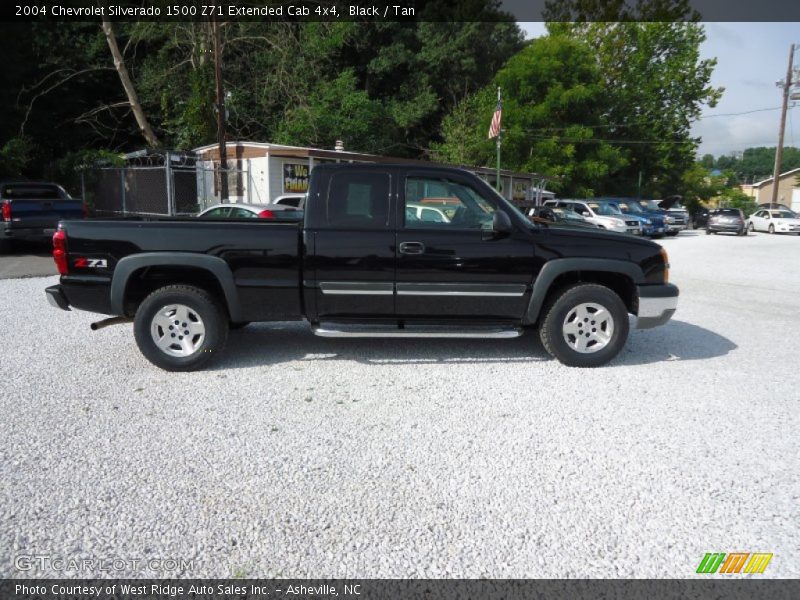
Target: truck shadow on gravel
pixel 675 341
pixel 275 343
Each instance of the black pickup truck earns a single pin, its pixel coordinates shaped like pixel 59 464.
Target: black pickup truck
pixel 369 260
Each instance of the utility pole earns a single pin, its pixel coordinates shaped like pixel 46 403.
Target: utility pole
pixel 223 149
pixel 787 86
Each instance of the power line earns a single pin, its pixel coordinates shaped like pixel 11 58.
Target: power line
pixel 647 122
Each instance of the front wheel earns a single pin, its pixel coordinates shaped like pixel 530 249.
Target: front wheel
pixel 708 231
pixel 585 325
pixel 751 228
pixel 180 327
pixel 771 229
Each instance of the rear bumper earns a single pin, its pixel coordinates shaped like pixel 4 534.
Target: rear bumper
pixel 28 233
pixel 657 304
pixel 732 227
pixel 56 297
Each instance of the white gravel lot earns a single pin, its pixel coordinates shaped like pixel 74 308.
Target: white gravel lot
pixel 299 456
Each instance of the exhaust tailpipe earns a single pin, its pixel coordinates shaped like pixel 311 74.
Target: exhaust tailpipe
pixel 111 321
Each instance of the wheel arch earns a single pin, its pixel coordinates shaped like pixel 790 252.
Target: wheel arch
pixel 209 272
pixel 618 275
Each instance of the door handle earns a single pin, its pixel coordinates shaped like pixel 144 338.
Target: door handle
pixel 412 248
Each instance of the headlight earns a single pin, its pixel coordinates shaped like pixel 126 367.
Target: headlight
pixel 648 222
pixel 670 219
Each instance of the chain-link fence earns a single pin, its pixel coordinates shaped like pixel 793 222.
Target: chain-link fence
pixel 162 190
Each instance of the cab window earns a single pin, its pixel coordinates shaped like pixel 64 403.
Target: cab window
pixel 359 200
pixel 445 204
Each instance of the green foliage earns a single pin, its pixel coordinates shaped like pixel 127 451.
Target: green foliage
pixel 553 96
pixel 656 86
pixel 756 164
pixel 15 156
pixel 734 197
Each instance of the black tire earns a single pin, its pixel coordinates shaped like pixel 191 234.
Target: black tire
pixel 200 305
pixel 238 325
pixel 771 228
pixel 743 231
pixel 567 301
pixel 708 231
pixel 5 246
pixel 751 228
pixel 672 233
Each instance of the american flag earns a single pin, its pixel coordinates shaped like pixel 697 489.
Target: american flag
pixel 497 117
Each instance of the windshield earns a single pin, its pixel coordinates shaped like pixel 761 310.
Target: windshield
pixel 604 209
pixel 32 191
pixel 630 207
pixel 650 205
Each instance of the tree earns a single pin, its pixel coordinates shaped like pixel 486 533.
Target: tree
pixel 656 85
pixel 127 85
pixel 553 101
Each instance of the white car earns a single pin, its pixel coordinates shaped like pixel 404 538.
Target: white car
pixel 429 214
pixel 601 214
pixel 293 200
pixel 774 221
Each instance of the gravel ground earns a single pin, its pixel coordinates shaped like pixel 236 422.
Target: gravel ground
pixel 298 456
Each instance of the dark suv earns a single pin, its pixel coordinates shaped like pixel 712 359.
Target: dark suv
pixel 730 220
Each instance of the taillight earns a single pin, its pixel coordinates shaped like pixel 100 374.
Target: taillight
pixel 60 251
pixel 6 210
pixel 266 214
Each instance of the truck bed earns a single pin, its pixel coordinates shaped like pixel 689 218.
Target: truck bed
pixel 263 256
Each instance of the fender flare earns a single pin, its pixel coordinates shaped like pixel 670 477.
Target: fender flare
pixel 213 264
pixel 559 266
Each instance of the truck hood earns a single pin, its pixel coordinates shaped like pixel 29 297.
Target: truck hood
pixel 669 202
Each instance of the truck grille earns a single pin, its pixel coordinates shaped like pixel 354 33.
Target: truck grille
pixel 632 223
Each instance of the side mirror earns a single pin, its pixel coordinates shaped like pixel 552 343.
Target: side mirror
pixel 501 224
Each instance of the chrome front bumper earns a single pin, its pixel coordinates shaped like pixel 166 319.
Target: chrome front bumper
pixel 657 304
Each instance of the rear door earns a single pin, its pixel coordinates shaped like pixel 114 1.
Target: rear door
pixel 453 268
pixel 352 246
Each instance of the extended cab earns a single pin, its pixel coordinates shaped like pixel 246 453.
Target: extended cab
pixel 358 266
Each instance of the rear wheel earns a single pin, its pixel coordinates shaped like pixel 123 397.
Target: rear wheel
pixel 708 231
pixel 585 325
pixel 180 328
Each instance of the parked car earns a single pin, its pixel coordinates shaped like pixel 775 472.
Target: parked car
pixel 274 212
pixel 356 269
pixel 32 210
pixel 653 224
pixel 425 214
pixel 605 216
pixel 680 216
pixel 770 206
pixel 673 223
pixel 559 216
pixel 729 220
pixel 293 200
pixel 774 221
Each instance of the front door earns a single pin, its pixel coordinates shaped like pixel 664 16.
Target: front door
pixel 353 247
pixel 449 265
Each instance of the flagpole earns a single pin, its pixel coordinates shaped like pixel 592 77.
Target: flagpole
pixel 499 134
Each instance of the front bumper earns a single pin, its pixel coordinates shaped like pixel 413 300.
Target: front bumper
pixel 56 297
pixel 657 304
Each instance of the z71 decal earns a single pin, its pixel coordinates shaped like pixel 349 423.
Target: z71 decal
pixel 91 263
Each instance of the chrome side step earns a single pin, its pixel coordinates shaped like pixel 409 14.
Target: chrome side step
pixel 340 330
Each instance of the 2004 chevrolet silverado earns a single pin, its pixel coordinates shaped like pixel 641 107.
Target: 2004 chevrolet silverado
pixel 362 265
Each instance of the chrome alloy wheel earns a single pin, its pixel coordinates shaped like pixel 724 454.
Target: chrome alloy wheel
pixel 588 327
pixel 177 330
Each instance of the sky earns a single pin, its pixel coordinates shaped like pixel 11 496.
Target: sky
pixel 751 57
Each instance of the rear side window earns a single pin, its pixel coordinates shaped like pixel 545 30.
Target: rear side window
pixel 21 191
pixel 358 200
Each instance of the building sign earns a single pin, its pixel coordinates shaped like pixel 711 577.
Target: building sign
pixel 295 178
